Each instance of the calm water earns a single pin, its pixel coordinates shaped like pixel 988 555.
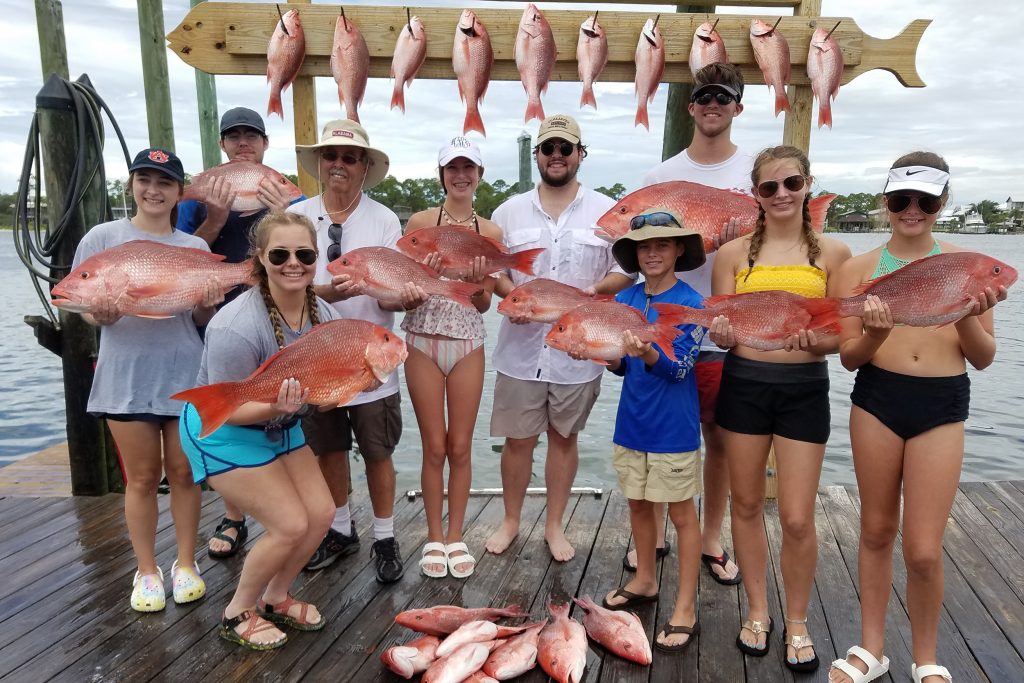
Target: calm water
pixel 32 415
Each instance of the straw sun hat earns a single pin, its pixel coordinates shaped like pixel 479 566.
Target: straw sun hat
pixel 652 226
pixel 345 133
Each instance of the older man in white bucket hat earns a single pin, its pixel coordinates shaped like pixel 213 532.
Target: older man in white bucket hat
pixel 345 218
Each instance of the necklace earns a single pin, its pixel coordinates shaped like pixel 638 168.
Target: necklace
pixel 452 220
pixel 323 202
pixel 302 317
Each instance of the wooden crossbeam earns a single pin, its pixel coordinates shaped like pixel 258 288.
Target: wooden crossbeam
pixel 232 38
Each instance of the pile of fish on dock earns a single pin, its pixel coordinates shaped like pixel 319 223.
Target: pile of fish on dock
pixel 466 645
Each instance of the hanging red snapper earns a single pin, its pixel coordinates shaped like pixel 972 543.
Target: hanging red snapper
pixel 245 177
pixel 458 246
pixel 825 69
pixel 595 330
pixel 708 47
pixel 350 65
pixel 147 279
pixel 285 53
pixel 545 301
pixel 935 290
pixel 650 65
pixel 335 361
pixel 410 51
pixel 772 54
pixel 535 57
pixel 472 58
pixel 591 57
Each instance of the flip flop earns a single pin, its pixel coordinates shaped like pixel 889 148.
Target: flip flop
pixel 720 561
pixel 669 628
pixel 757 628
pixel 659 553
pixel 632 599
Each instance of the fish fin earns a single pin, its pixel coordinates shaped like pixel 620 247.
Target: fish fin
pixel 152 316
pixel 462 95
pixel 824 312
pixel 497 244
pixel 603 297
pixel 473 122
pixel 599 361
pixel 819 208
pixel 781 101
pixel 641 116
pixel 461 292
pixel 534 110
pixel 215 403
pixel 712 301
pixel 524 260
pixel 824 113
pixel 398 97
pixel 249 213
pixel 588 98
pixel 149 290
pixel 274 106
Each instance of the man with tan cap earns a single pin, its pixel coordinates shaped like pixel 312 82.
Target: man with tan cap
pixel 539 389
pixel 345 218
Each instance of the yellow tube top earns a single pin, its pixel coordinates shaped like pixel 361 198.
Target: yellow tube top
pixel 805 280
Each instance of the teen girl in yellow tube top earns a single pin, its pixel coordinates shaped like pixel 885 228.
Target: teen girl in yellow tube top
pixel 776 398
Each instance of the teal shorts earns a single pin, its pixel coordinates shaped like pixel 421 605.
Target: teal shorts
pixel 233 446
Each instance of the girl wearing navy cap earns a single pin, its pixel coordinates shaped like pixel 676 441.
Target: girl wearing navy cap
pixel 910 401
pixel 141 363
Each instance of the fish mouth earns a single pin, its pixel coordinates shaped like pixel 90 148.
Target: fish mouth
pixel 69 305
pixel 590 34
pixel 468 30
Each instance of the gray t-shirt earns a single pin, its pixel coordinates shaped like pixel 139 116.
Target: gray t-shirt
pixel 240 338
pixel 142 362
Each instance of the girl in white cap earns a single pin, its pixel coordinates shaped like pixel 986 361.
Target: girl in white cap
pixel 910 400
pixel 446 364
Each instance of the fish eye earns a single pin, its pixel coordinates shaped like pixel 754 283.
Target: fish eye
pixel 515 299
pixel 413 240
pixel 996 270
pixel 561 328
pixel 387 337
pixel 622 210
pixel 85 274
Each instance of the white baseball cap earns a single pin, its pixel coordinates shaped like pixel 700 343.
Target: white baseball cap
pixel 925 179
pixel 460 146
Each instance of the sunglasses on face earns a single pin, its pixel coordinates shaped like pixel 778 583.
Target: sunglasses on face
pixel 723 98
pixel 347 158
pixel 656 219
pixel 334 248
pixel 793 183
pixel 897 203
pixel 280 256
pixel 564 148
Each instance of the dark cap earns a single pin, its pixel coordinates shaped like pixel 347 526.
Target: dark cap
pixel 161 160
pixel 712 87
pixel 241 116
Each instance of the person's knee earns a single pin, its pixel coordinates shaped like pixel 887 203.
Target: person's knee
pixel 434 452
pixel 179 475
pixel 290 526
pixel 747 508
pixel 878 535
pixel 144 481
pixel 922 561
pixel 683 516
pixel 459 450
pixel 797 526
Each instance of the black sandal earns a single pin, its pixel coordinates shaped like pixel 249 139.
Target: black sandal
pixel 670 629
pixel 720 561
pixel 241 534
pixel 659 553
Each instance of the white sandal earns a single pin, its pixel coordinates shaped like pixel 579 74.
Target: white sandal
pixel 921 672
pixel 459 559
pixel 435 560
pixel 875 668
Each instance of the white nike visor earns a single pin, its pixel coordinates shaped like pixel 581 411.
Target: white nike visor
pixel 925 179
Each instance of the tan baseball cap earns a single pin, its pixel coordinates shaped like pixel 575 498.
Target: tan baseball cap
pixel 559 126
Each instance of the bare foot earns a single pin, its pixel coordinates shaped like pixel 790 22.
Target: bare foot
pixel 559 546
pixel 501 539
pixel 837 676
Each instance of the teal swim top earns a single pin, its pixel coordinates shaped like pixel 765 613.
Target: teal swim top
pixel 887 263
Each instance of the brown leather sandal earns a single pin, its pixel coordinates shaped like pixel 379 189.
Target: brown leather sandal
pixel 279 614
pixel 669 629
pixel 253 624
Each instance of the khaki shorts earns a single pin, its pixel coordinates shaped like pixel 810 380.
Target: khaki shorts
pixel 524 408
pixel 377 426
pixel 657 477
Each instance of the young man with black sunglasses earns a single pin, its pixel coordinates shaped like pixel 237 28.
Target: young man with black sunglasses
pixel 243 136
pixel 712 159
pixel 538 389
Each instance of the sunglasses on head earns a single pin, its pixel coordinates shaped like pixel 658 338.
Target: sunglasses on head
pixel 656 219
pixel 793 183
pixel 897 203
pixel 547 148
pixel 334 248
pixel 279 256
pixel 347 158
pixel 723 98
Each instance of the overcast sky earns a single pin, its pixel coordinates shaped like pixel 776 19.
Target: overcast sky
pixel 970 112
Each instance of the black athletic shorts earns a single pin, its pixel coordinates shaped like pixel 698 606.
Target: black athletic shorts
pixel 910 405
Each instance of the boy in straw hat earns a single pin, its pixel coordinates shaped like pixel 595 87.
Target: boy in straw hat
pixel 345 218
pixel 656 445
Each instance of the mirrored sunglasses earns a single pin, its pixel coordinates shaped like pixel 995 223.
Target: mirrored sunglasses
pixel 899 202
pixel 657 219
pixel 279 256
pixel 793 183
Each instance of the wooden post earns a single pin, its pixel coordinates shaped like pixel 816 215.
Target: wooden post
pixel 678 132
pixel 52 49
pixel 307 130
pixel 154 74
pixel 525 163
pixel 209 128
pixel 797 129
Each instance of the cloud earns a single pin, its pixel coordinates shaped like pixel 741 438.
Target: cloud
pixel 969 112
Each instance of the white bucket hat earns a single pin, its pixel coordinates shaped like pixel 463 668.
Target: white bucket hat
pixel 345 133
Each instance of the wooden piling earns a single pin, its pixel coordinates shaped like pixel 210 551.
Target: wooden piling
pixel 154 73
pixel 52 50
pixel 678 132
pixel 209 126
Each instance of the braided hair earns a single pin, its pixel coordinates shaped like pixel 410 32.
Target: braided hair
pixel 807 232
pixel 257 243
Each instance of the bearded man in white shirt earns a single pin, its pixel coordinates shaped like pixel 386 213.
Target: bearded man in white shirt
pixel 538 389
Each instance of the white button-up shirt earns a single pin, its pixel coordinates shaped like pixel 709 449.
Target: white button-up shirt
pixel 575 256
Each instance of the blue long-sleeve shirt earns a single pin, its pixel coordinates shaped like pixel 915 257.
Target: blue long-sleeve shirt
pixel 658 409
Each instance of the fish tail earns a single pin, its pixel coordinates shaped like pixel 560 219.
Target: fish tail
pixel 781 101
pixel 523 260
pixel 462 292
pixel 214 402
pixel 473 121
pixel 819 208
pixel 398 97
pixel 534 110
pixel 274 106
pixel 663 335
pixel 588 97
pixel 825 313
pixel 824 113
pixel 641 115
pixel 558 610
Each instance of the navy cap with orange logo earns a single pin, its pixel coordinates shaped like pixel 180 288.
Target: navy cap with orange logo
pixel 161 160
